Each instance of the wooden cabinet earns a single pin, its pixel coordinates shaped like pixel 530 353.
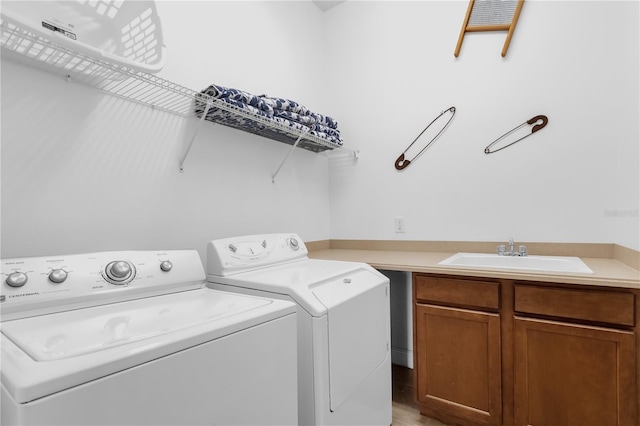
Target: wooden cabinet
pixel 458 366
pixel 569 372
pixel 499 352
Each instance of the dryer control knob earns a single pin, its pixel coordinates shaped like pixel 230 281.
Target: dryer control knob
pixel 58 276
pixel 293 243
pixel 166 266
pixel 17 279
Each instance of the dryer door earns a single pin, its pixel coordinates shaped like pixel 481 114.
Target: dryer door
pixel 358 322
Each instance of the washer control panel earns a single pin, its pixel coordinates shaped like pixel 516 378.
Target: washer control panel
pixel 40 285
pixel 229 256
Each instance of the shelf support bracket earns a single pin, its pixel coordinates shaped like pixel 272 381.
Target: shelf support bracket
pixel 343 153
pixel 195 133
pixel 273 176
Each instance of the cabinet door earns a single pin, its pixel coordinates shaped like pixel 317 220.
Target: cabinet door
pixel 568 374
pixel 458 363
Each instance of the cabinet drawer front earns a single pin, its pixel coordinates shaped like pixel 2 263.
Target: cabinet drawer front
pixel 472 293
pixel 588 305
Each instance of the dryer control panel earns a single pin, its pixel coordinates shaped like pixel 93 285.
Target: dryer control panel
pixel 40 285
pixel 230 256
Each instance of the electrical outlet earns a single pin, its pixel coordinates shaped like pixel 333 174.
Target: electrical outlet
pixel 400 228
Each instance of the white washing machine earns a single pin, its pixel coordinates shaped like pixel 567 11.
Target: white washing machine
pixel 136 338
pixel 344 362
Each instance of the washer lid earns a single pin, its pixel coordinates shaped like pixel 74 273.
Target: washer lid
pixel 73 333
pixel 46 354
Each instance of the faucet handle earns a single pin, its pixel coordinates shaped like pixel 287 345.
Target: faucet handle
pixel 502 249
pixel 522 250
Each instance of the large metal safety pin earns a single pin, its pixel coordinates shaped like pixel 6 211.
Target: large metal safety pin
pixel 401 162
pixel 534 129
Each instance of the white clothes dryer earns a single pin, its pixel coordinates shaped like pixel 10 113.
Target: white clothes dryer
pixel 136 338
pixel 344 363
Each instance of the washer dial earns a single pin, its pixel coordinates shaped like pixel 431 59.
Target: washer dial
pixel 166 265
pixel 119 272
pixel 58 276
pixel 17 279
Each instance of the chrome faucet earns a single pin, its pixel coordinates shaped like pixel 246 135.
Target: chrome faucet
pixel 502 249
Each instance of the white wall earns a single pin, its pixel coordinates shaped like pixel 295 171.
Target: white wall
pixel 83 171
pixel 575 62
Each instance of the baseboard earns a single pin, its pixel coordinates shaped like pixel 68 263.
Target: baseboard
pixel 402 357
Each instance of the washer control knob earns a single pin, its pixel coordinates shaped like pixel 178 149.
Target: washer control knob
pixel 166 265
pixel 17 279
pixel 119 269
pixel 293 243
pixel 118 272
pixel 58 276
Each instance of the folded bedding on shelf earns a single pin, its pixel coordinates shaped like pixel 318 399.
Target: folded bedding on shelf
pixel 336 140
pixel 328 133
pixel 325 120
pixel 247 107
pixel 285 112
pixel 324 129
pixel 298 118
pixel 285 105
pixel 225 117
pixel 291 123
pixel 221 92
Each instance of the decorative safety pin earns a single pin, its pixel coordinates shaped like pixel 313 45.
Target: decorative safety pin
pixel 401 163
pixel 535 128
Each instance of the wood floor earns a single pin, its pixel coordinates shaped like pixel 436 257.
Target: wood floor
pixel 405 411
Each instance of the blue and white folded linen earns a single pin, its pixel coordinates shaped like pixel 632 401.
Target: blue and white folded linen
pixel 326 130
pixel 291 123
pixel 260 110
pixel 303 114
pixel 283 104
pixel 246 107
pixel 325 120
pixel 335 140
pixel 307 120
pixel 221 92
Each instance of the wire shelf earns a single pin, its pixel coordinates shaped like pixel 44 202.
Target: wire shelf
pixel 263 126
pixel 22 44
pixel 25 46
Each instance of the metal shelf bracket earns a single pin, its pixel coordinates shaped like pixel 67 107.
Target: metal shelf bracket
pixel 273 176
pixel 195 134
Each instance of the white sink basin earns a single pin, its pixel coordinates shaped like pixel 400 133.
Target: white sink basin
pixel 522 263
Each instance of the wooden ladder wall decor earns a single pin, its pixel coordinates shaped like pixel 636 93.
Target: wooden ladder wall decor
pixel 491 15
